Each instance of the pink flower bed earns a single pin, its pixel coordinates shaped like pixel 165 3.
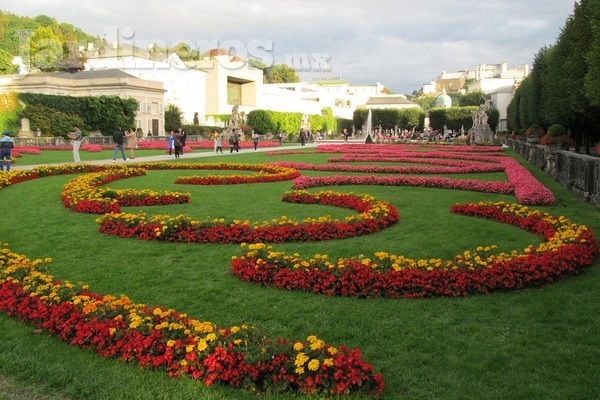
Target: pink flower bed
pixel 305 182
pixel 447 167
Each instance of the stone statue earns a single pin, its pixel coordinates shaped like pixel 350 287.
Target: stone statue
pixel 234 122
pixel 481 129
pixel 304 123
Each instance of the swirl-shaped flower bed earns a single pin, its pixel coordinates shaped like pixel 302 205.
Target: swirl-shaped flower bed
pixel 264 173
pixel 373 216
pixel 305 182
pixel 567 250
pixel 84 194
pixel 239 356
pixel 444 167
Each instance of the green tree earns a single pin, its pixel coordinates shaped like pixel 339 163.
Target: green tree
pixel 185 52
pixel 592 78
pixel 173 117
pixel 437 118
pixel 458 117
pixel 425 102
pixel 493 118
pixel 44 51
pixel 474 98
pixel 6 66
pixel 280 73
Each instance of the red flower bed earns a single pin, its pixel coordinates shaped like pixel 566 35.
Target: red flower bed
pixel 568 249
pixel 156 338
pixel 374 216
pixel 264 173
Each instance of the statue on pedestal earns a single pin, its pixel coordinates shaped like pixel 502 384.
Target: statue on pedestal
pixel 481 129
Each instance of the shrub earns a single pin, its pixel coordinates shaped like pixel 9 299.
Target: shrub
pixel 51 122
pixel 556 130
pixel 535 130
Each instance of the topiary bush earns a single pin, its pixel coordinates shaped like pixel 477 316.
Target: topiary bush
pixel 556 130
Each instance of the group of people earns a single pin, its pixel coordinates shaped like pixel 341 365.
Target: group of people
pixel 124 138
pixel 176 142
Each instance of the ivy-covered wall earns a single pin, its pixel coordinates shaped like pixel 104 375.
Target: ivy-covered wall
pixel 101 113
pixel 10 112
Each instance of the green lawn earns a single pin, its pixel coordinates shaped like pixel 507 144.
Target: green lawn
pixel 531 344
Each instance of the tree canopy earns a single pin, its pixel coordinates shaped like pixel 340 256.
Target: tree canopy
pixel 563 85
pixel 44 43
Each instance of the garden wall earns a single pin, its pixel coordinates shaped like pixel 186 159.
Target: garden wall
pixel 578 172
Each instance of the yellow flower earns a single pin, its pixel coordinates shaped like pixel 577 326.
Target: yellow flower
pixel 313 365
pixel 202 345
pixel 298 346
pixel 299 370
pixel 171 343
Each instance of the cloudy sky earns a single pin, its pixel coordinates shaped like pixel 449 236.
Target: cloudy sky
pixel 398 43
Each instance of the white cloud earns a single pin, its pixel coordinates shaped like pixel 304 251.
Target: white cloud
pixel 400 44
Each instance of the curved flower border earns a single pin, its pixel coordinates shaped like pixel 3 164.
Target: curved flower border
pixel 264 173
pixel 85 194
pixel 567 250
pixel 239 356
pixel 373 216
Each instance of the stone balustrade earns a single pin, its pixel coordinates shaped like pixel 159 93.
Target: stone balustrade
pixel 579 173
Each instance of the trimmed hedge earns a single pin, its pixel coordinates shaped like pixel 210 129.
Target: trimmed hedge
pixel 101 113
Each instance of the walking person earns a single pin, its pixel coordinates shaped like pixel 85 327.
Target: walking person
pixel 177 145
pixel 130 137
pixel 118 138
pixel 302 137
pixel 6 145
pixel 171 142
pixel 255 138
pixel 76 140
pixel 218 143
pixel 231 144
pixel 182 139
pixel 236 142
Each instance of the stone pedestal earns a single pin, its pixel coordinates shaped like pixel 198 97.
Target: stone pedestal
pixel 483 134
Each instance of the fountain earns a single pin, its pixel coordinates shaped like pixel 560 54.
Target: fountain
pixel 368 128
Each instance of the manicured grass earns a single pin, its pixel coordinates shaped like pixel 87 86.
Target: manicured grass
pixel 532 344
pixel 60 156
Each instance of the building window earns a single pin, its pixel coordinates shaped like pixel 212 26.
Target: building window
pixel 234 93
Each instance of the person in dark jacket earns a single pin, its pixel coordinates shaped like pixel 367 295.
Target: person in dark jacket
pixel 118 140
pixel 6 145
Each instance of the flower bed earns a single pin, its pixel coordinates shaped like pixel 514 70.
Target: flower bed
pixel 264 173
pixel 116 327
pixel 84 194
pixel 567 250
pixel 305 182
pixel 445 167
pixel 373 216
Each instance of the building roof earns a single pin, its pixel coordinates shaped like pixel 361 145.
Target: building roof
pixel 223 52
pixel 101 73
pixel 389 99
